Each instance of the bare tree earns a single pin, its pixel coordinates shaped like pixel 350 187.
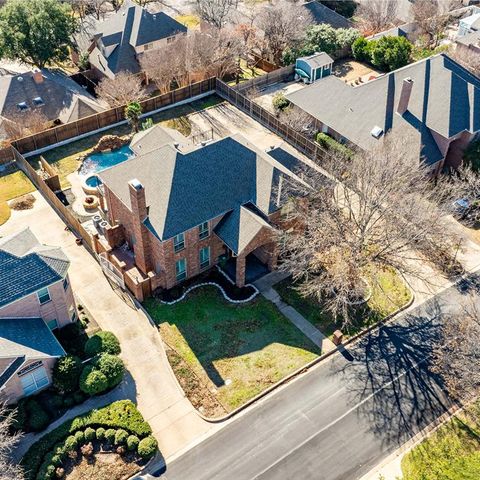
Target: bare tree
pixel 21 124
pixel 467 58
pixel 214 12
pixel 297 119
pixel 431 22
pixel 456 354
pixel 8 470
pixel 377 15
pixel 122 89
pixel 385 214
pixel 284 25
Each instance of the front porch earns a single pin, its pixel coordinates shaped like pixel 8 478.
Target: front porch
pixel 254 268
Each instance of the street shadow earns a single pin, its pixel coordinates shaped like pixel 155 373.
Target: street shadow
pixel 390 381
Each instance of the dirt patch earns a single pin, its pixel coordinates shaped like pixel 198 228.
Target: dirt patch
pixel 102 466
pixel 23 203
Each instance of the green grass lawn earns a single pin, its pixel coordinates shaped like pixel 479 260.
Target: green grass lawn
pixel 388 294
pixel 451 453
pixel 13 183
pixel 236 351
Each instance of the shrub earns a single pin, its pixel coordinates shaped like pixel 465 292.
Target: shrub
pixel 100 433
pixel 56 460
pixel 330 143
pixel 80 437
pixel 390 53
pixel 120 414
pixel 280 102
pixel 69 401
pixel 110 435
pixel 79 397
pixel 147 447
pixel 102 342
pixel 472 155
pixel 38 418
pixel 132 443
pixel 93 381
pixel 66 373
pixel 87 450
pixel 71 443
pixel 60 472
pixel 121 436
pixel 112 367
pixel 121 450
pixel 361 49
pixel 89 434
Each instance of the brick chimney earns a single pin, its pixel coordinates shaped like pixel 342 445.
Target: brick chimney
pixel 407 86
pixel 37 76
pixel 141 245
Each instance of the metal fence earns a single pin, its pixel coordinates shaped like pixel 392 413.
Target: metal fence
pixel 103 119
pixel 297 139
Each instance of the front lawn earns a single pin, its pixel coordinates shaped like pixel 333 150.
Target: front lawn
pixel 388 294
pixel 224 354
pixel 451 453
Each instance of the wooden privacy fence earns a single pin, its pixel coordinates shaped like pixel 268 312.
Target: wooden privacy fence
pixel 104 119
pixel 297 139
pixel 65 214
pixel 284 74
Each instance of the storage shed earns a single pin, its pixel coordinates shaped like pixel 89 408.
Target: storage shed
pixel 313 67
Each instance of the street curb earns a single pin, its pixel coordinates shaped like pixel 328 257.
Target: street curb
pixel 309 365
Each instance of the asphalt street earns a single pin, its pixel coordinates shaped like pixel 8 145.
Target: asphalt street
pixel 343 417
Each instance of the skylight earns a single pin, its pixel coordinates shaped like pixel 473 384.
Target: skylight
pixel 38 101
pixel 22 106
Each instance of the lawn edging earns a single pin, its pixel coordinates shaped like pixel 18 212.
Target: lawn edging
pixel 309 365
pixel 292 375
pixel 213 284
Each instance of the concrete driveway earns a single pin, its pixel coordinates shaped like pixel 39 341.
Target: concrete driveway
pixel 151 383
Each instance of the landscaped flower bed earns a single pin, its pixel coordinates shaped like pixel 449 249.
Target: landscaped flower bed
pixel 117 428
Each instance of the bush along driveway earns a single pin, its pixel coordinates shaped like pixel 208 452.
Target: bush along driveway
pixel 225 354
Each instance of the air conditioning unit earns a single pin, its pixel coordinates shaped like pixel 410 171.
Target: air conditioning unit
pixel 377 132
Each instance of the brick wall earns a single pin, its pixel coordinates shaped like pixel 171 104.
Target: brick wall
pixel 58 308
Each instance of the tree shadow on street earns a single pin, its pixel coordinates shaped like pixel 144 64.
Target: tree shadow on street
pixel 389 377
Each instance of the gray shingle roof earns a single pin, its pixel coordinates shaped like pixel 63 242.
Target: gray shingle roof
pixel 62 98
pixel 445 98
pixel 11 369
pixel 29 337
pixel 240 226
pixel 318 59
pixel 130 27
pixel 472 38
pixel 27 266
pixel 323 14
pixel 185 189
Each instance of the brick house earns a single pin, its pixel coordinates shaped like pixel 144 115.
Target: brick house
pixel 175 212
pixel 35 299
pixel 434 102
pixel 115 45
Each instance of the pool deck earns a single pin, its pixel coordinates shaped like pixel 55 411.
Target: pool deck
pixel 76 184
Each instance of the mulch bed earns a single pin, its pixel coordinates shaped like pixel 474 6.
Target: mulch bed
pixel 212 275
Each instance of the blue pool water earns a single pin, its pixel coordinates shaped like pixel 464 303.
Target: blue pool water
pixel 100 161
pixel 93 181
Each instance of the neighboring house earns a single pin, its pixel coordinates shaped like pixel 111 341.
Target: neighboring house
pixel 410 31
pixel 322 14
pixel 435 103
pixel 35 298
pixel 469 43
pixel 54 94
pixel 469 24
pixel 313 67
pixel 182 211
pixel 115 44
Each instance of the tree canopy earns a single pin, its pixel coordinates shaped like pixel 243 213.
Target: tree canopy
pixel 36 32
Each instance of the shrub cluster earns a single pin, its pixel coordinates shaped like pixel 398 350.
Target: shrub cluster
pixel 102 342
pixel 105 372
pixel 330 143
pixel 280 102
pixel 43 456
pixel 66 373
pixel 386 53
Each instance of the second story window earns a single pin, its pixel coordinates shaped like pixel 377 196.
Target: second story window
pixel 43 296
pixel 65 283
pixel 178 242
pixel 203 231
pixel 170 40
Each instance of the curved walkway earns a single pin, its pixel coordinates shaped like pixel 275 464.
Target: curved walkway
pixel 174 421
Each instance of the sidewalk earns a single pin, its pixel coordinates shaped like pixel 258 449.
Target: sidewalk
pixel 174 421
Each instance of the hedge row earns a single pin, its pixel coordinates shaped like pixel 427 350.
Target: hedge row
pixel 122 414
pixel 331 144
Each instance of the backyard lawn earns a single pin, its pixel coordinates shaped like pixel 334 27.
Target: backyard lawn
pixel 388 294
pixel 229 352
pixel 451 453
pixel 13 184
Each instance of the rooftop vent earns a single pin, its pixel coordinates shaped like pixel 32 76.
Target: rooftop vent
pixel 22 106
pixel 176 145
pixel 377 132
pixel 20 79
pixel 38 101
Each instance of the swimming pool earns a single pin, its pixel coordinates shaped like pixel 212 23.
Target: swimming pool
pixel 93 181
pixel 100 161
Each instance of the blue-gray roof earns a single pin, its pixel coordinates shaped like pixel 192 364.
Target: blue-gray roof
pixel 26 266
pixel 29 337
pixel 322 14
pixel 184 190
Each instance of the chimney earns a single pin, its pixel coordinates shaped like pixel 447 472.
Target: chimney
pixel 137 199
pixel 405 95
pixel 37 76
